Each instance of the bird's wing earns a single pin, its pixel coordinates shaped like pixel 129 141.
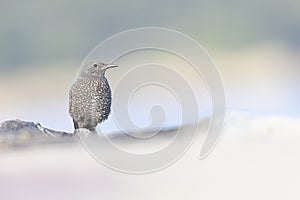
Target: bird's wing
pixel 70 99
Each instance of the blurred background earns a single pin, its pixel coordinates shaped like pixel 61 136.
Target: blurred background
pixel 255 45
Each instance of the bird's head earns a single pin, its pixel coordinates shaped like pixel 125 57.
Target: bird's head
pixel 96 69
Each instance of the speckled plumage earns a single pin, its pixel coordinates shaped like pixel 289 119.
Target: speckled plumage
pixel 90 97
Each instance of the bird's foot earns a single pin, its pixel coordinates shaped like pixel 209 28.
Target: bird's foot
pixel 83 132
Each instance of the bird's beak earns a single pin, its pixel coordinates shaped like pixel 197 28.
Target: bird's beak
pixel 111 66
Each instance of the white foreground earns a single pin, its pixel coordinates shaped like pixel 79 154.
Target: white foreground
pixel 258 157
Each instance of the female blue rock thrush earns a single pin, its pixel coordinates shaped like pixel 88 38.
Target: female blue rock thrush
pixel 90 96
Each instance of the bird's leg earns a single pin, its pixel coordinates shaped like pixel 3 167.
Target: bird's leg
pixel 75 125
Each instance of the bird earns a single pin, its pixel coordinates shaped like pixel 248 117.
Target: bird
pixel 90 96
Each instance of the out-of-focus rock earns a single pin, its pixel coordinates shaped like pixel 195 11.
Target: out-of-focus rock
pixel 22 133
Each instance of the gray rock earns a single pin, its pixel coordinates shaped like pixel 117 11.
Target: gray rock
pixel 22 133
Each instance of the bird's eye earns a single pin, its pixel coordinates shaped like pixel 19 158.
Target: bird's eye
pixel 95 65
